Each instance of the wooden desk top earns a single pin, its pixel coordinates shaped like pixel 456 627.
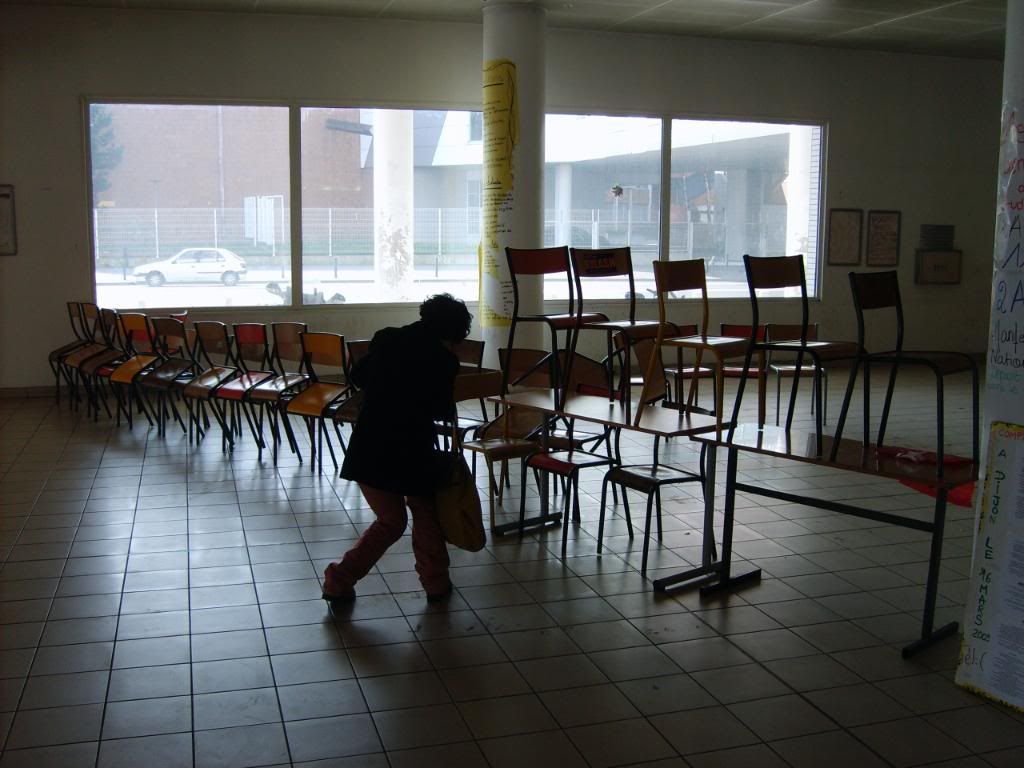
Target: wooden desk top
pixel 662 422
pixel 799 445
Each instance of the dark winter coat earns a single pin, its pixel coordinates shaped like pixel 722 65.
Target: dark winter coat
pixel 407 378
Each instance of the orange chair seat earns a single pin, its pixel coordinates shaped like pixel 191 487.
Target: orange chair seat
pixel 203 385
pixel 237 388
pixel 129 369
pixel 94 363
pixel 272 389
pixel 75 359
pixel 315 399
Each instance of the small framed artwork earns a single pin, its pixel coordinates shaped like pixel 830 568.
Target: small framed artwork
pixel 937 267
pixel 8 235
pixel 844 233
pixel 883 248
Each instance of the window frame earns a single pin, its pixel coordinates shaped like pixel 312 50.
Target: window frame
pixel 295 107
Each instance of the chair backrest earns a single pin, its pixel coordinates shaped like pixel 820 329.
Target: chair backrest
pixel 596 263
pixel 213 343
pixel 182 316
pixel 523 367
pixel 470 353
pixel 786 332
pixel 252 346
pixel 539 261
pixel 110 329
pixel 75 318
pixel 681 276
pixel 136 333
pixel 89 317
pixel 171 339
pixel 323 356
pixel 765 273
pixel 877 290
pixel 473 386
pixel 357 350
pixel 642 346
pixel 742 330
pixel 288 346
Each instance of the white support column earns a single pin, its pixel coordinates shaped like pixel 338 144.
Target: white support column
pixel 393 204
pixel 513 190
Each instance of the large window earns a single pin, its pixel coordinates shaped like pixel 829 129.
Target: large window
pixel 390 205
pixel 601 188
pixel 744 188
pixel 190 204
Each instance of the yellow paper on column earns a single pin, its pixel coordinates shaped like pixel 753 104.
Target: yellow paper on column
pixel 501 135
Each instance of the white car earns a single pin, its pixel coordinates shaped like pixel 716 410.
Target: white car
pixel 193 265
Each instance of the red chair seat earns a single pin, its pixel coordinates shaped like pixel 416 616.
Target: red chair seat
pixel 237 388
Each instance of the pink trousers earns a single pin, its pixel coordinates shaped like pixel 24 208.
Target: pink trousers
pixel 428 544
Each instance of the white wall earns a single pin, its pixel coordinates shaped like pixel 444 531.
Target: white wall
pixel 911 133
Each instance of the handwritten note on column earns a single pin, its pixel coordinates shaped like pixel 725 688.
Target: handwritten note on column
pixel 1005 370
pixel 992 651
pixel 501 135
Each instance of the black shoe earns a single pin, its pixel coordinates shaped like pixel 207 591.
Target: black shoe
pixel 440 597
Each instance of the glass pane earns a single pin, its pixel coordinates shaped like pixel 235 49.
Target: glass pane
pixel 191 205
pixel 744 188
pixel 601 189
pixel 390 204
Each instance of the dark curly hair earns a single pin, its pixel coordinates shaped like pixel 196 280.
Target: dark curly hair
pixel 446 317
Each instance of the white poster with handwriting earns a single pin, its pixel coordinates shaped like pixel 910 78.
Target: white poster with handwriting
pixel 992 650
pixel 1005 369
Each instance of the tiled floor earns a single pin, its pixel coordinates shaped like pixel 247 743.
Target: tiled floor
pixel 160 607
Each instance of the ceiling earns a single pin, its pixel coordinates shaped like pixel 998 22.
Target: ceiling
pixel 965 28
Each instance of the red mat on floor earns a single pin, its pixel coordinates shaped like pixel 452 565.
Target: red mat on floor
pixel 961 495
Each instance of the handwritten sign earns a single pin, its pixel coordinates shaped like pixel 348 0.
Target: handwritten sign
pixel 992 650
pixel 501 135
pixel 1005 372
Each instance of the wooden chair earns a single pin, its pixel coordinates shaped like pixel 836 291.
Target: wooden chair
pixel 590 265
pixel 94 343
pixel 782 366
pixel 289 377
pixel 251 359
pixel 324 364
pixel 214 355
pixel 96 370
pixel 137 339
pixel 172 371
pixel 81 338
pixel 880 291
pixel 786 273
pixel 540 263
pixel 687 277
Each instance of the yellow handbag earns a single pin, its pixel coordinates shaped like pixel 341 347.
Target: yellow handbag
pixel 458 504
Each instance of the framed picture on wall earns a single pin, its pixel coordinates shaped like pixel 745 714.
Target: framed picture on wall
pixel 8 235
pixel 937 267
pixel 844 233
pixel 883 249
